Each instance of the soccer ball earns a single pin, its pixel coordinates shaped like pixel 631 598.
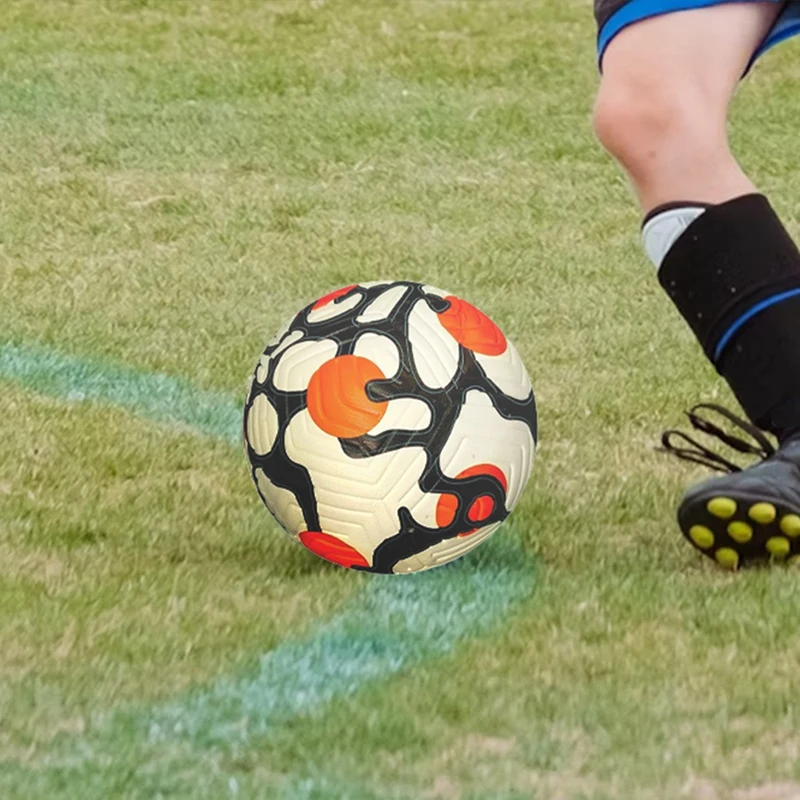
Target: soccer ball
pixel 390 427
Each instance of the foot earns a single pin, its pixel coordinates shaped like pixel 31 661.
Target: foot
pixel 748 516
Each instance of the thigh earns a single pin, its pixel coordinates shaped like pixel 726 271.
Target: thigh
pixel 663 102
pixel 702 50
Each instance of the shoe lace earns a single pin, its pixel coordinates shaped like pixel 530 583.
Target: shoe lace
pixel 687 448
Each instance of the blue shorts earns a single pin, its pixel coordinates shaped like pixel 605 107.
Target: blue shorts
pixel 614 15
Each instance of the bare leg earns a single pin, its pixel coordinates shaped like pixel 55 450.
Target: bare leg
pixel 663 102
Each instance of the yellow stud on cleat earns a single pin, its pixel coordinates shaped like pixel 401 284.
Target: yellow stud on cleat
pixel 701 536
pixel 778 546
pixel 790 525
pixel 763 513
pixel 721 507
pixel 727 558
pixel 740 532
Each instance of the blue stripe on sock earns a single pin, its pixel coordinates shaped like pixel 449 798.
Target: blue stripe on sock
pixel 748 315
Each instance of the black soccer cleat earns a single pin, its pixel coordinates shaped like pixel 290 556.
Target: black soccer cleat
pixel 748 515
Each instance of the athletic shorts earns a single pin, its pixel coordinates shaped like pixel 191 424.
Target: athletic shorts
pixel 614 15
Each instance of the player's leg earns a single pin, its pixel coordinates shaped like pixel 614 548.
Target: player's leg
pixel 667 81
pixel 723 256
pixel 662 107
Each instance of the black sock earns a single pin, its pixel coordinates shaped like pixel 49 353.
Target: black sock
pixel 734 274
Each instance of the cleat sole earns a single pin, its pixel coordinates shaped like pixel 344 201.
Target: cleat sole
pixel 778 546
pixel 728 558
pixel 721 507
pixel 790 525
pixel 736 529
pixel 740 532
pixel 701 536
pixel 763 513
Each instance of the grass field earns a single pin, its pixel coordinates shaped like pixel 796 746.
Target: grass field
pixel 179 176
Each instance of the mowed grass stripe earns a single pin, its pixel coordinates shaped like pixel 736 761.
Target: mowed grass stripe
pixel 396 623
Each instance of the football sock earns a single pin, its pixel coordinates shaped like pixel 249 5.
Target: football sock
pixel 733 272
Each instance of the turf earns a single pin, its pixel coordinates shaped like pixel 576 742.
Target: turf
pixel 176 179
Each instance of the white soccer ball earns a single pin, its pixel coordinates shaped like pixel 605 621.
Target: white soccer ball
pixel 390 427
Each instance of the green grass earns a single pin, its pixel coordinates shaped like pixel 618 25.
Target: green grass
pixel 176 179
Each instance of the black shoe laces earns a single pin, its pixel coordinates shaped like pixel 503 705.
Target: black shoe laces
pixel 686 447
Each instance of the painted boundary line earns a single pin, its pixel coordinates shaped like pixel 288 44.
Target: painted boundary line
pixel 154 396
pixel 395 623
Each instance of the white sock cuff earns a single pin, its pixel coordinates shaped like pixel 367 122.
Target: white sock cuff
pixel 665 228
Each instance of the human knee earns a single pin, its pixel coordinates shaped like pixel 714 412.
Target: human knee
pixel 641 122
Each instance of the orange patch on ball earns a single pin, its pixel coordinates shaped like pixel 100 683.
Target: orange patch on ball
pixel 329 298
pixel 333 549
pixel 337 397
pixel 472 329
pixel 485 469
pixel 446 508
pixel 481 508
